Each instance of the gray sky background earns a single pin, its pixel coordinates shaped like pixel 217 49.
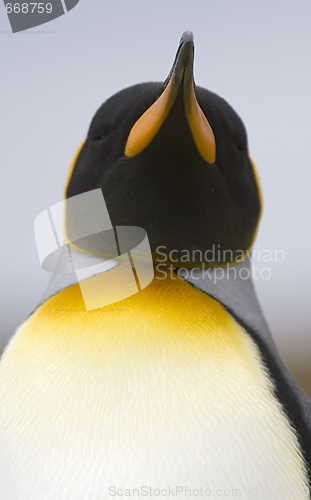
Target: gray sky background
pixel 255 54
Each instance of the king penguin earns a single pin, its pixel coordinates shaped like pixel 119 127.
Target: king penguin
pixel 177 390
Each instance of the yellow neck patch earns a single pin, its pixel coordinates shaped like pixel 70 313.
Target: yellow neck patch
pixel 165 312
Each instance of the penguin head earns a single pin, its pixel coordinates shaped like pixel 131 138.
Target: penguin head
pixel 172 158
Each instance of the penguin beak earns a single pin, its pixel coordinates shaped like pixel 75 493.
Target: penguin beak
pixel 147 126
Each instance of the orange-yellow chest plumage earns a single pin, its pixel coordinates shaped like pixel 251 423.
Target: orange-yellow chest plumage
pixel 161 388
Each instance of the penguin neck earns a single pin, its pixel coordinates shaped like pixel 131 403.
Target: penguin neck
pixel 168 308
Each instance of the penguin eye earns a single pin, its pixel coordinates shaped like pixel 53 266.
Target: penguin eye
pixel 238 146
pixel 101 137
pixel 238 140
pixel 239 143
pixel 100 132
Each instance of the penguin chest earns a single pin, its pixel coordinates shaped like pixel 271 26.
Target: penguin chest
pixel 163 389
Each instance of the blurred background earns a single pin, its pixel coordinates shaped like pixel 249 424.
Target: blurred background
pixel 254 54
